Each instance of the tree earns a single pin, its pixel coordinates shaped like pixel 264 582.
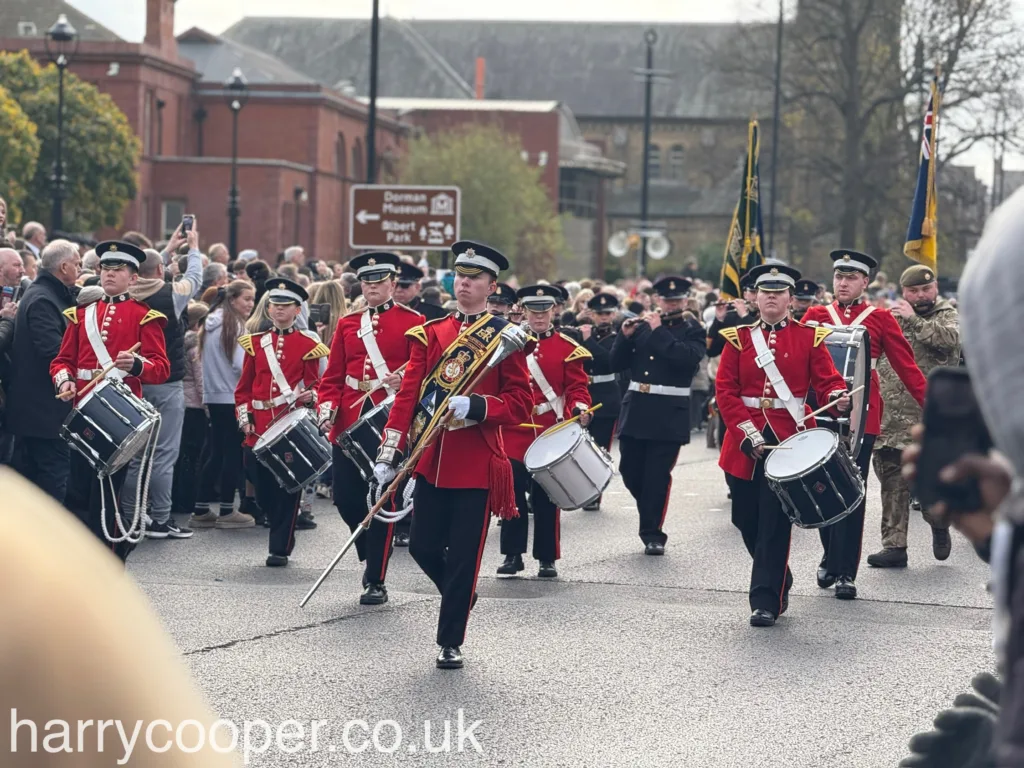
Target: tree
pixel 100 151
pixel 20 153
pixel 504 203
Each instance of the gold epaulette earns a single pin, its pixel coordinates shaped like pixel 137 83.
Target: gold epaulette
pixel 246 343
pixel 152 315
pixel 417 333
pixel 732 335
pixel 579 352
pixel 820 333
pixel 71 313
pixel 320 350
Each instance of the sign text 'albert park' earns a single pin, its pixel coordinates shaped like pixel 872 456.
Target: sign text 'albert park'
pixel 403 217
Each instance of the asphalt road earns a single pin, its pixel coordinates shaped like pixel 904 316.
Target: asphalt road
pixel 624 660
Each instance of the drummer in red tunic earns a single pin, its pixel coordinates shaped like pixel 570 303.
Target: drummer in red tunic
pixel 367 351
pixel 281 371
pixel 100 334
pixel 763 379
pixel 842 541
pixel 560 391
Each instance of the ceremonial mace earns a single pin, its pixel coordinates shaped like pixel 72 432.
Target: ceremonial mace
pixel 513 339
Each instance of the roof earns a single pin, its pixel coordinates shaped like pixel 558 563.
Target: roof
pixel 406 105
pixel 216 58
pixel 588 66
pixel 32 18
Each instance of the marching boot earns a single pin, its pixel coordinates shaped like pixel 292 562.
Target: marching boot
pixel 450 657
pixel 513 564
pixel 889 557
pixel 846 589
pixel 825 579
pixel 374 594
pixel 402 539
pixel 762 618
pixel 941 543
pixel 276 561
pixel 305 522
pixel 654 548
pixel 547 570
pixel 594 506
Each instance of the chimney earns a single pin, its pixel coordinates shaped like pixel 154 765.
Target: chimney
pixel 481 76
pixel 160 26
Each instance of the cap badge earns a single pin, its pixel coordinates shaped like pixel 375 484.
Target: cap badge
pixel 469 252
pixel 371 262
pixel 775 271
pixel 281 286
pixel 113 247
pixel 540 291
pixel 846 257
pixel 927 275
pixel 672 285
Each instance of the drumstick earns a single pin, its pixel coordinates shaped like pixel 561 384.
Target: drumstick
pixel 103 374
pixel 567 422
pixel 362 399
pixel 825 407
pixel 530 426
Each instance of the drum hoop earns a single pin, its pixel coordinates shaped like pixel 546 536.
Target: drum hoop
pixel 828 457
pixel 555 462
pixel 137 438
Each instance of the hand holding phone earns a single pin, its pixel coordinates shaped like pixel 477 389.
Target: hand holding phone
pixel 186 222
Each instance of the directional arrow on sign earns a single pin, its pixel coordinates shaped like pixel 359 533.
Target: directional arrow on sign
pixel 364 216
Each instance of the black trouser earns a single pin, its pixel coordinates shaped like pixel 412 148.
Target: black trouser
pixel 223 460
pixel 547 545
pixel 646 468
pixel 280 507
pixel 46 462
pixel 448 537
pixel 766 532
pixel 184 490
pixel 602 430
pixel 350 490
pixel 93 502
pixel 842 541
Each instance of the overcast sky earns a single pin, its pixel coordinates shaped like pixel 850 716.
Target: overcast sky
pixel 127 18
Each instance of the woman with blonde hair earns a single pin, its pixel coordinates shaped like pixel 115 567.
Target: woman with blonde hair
pixel 331 293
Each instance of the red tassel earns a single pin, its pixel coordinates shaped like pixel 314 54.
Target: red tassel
pixel 502 497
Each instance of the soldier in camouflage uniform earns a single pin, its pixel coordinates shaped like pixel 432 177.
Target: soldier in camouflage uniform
pixel 932 326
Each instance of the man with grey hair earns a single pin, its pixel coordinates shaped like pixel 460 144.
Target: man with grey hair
pixel 295 255
pixel 91 261
pixel 170 298
pixel 34 235
pixel 215 275
pixel 219 254
pixel 34 417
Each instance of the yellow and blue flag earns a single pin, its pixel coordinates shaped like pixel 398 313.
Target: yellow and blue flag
pixel 743 247
pixel 922 234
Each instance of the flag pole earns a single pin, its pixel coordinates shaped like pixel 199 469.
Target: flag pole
pixel 775 130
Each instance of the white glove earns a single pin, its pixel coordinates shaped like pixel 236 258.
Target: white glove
pixel 383 473
pixel 460 405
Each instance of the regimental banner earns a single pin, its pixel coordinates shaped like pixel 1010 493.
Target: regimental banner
pixel 922 231
pixel 392 217
pixel 743 247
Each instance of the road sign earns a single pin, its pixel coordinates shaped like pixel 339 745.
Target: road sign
pixel 403 217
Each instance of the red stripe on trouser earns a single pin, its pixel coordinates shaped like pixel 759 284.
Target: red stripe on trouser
pixel 295 517
pixel 558 534
pixel 668 493
pixel 387 552
pixel 479 557
pixel 785 570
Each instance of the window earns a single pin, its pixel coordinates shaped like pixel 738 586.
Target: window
pixel 358 168
pixel 654 161
pixel 675 161
pixel 577 194
pixel 707 137
pixel 144 216
pixel 341 156
pixel 147 125
pixel 171 212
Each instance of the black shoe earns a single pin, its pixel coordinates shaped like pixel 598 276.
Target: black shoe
pixel 846 589
pixel 277 561
pixel 402 539
pixel 472 605
pixel 547 570
pixel 305 522
pixel 889 557
pixel 825 579
pixel 593 506
pixel 941 543
pixel 157 530
pixel 450 657
pixel 654 548
pixel 762 618
pixel 513 564
pixel 374 594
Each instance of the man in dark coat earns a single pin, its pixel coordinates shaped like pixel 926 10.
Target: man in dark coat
pixel 34 416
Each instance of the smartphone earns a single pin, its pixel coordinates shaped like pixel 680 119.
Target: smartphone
pixel 953 427
pixel 187 221
pixel 319 313
pixel 7 294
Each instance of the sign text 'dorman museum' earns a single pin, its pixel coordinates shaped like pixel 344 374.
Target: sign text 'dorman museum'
pixel 413 218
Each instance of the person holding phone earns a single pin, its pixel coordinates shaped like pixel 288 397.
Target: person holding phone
pixel 852 273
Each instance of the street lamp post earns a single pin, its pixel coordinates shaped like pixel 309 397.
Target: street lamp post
pixel 236 92
pixel 61 43
pixel 301 196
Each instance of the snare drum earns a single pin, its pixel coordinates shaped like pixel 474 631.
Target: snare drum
pixel 569 466
pixel 814 478
pixel 361 441
pixel 294 451
pixel 109 426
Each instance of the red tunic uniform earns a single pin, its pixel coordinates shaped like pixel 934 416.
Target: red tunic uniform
pixel 561 362
pixel 121 323
pixel 804 363
pixel 461 458
pixel 350 373
pixel 886 339
pixel 258 398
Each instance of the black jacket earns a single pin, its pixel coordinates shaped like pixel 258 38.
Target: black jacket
pixel 668 355
pixel 429 311
pixel 607 393
pixel 716 341
pixel 32 409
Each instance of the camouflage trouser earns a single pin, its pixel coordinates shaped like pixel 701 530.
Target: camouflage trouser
pixel 895 498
